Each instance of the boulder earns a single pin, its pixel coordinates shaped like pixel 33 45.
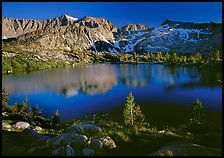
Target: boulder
pixel 5 125
pixel 108 142
pixel 32 134
pixel 69 151
pixel 80 139
pixel 88 152
pixel 69 138
pixel 96 144
pixel 32 123
pixel 85 127
pixel 5 114
pixel 38 128
pixel 22 125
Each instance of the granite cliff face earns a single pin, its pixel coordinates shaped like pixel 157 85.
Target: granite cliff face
pixel 98 34
pixel 133 28
pixel 12 28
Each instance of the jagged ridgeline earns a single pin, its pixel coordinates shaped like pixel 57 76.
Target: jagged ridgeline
pixel 67 33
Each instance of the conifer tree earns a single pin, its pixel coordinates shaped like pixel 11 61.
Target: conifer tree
pixel 56 118
pixel 197 116
pixel 132 113
pixel 5 99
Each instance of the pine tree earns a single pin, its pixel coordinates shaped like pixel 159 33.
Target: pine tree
pixel 167 56
pixel 5 99
pixel 139 118
pixel 216 55
pixel 197 116
pixel 148 56
pixel 159 56
pixel 56 118
pixel 132 113
pixel 135 56
pixel 24 107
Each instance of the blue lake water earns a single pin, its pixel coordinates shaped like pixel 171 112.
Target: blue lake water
pixel 165 93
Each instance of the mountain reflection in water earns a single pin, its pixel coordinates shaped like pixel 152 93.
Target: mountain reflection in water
pixel 100 88
pixel 94 79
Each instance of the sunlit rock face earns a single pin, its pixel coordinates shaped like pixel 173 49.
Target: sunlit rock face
pixel 67 33
pixel 62 33
pixel 12 28
pixel 182 37
pixel 89 80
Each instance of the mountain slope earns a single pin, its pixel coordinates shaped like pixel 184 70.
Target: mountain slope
pixel 182 37
pixel 98 34
pixel 12 28
pixel 80 35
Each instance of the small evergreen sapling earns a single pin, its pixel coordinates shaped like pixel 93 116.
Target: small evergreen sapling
pixel 132 113
pixel 197 117
pixel 56 118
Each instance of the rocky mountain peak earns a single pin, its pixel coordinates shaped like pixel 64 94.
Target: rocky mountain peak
pixel 65 19
pixel 99 34
pixel 68 17
pixel 93 22
pixel 135 27
pixel 168 21
pixel 131 28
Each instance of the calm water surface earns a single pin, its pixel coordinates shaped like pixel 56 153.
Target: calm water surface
pixel 165 93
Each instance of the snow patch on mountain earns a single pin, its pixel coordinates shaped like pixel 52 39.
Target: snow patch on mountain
pixel 71 18
pixel 116 44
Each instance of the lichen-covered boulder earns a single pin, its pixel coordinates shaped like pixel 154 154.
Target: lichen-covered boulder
pixel 34 135
pixel 84 128
pixel 22 125
pixel 108 142
pixel 5 114
pixel 69 138
pixel 38 128
pixel 6 125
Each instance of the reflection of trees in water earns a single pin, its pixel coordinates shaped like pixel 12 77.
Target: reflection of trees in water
pixel 210 75
pixel 134 75
pixel 204 76
pixel 193 73
pixel 139 75
pixel 93 79
pixel 88 79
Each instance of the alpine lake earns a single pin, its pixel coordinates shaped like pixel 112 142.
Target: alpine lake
pixel 165 93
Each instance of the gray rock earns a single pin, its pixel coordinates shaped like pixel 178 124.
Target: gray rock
pixel 22 125
pixel 32 123
pixel 88 122
pixel 69 138
pixel 5 125
pixel 96 144
pixel 38 128
pixel 88 152
pixel 5 114
pixel 69 151
pixel 32 134
pixel 85 127
pixel 57 151
pixel 70 129
pixel 80 139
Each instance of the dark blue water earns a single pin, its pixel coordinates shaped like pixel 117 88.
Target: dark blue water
pixel 165 93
